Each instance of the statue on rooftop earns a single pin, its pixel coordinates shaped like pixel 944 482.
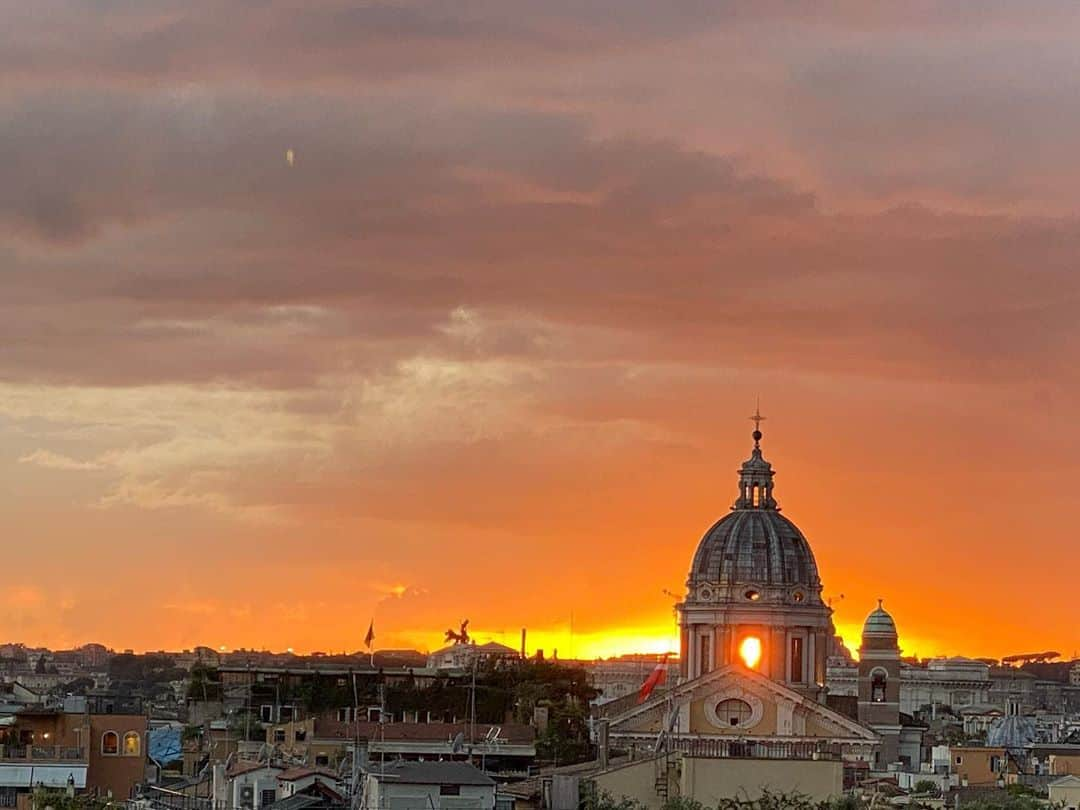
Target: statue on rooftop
pixel 460 637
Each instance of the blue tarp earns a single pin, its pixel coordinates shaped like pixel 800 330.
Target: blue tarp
pixel 164 746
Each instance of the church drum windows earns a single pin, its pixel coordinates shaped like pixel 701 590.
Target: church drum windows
pixel 796 675
pixel 705 657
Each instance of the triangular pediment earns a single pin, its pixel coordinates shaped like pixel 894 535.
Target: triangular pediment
pixel 734 701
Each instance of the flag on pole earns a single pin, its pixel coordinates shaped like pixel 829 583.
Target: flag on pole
pixel 370 637
pixel 656 677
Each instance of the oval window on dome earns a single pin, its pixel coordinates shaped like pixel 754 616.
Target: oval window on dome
pixel 752 595
pixel 797 596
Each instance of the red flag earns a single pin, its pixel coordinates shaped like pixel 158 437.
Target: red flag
pixel 656 677
pixel 370 637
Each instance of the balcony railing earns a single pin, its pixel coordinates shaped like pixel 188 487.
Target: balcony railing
pixel 738 748
pixel 42 753
pixel 753 749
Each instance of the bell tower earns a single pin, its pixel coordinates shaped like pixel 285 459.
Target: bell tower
pixel 879 682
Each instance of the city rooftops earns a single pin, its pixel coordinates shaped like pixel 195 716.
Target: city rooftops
pixel 433 773
pixel 293 774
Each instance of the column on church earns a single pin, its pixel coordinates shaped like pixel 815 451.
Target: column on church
pixel 722 645
pixel 684 647
pixel 817 652
pixel 777 654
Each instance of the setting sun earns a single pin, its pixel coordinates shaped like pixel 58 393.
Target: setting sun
pixel 750 651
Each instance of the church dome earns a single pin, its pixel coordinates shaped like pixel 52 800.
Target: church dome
pixel 879 623
pixel 755 546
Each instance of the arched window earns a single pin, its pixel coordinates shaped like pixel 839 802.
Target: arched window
pixel 110 743
pixel 877 686
pixel 132 744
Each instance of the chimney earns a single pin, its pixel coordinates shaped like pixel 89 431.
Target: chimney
pixel 220 786
pixel 522 643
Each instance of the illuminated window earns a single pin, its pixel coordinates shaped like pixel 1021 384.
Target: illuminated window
pixel 110 743
pixel 752 595
pixel 750 651
pixel 734 712
pixel 132 745
pixel 877 687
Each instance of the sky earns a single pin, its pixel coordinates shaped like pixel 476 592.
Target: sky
pixel 486 346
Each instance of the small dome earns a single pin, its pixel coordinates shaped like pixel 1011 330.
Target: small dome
pixel 879 623
pixel 1012 731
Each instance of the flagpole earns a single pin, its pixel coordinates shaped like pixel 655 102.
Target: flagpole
pixel 369 640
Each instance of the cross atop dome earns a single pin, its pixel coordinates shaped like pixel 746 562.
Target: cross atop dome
pixel 757 419
pixel 756 474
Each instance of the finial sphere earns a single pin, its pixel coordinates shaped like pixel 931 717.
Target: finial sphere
pixel 757 435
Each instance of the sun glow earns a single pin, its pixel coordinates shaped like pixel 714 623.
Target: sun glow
pixel 750 651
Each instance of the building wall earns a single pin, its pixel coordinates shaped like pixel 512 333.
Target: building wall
pixel 312 749
pixel 709 780
pixel 119 772
pixel 50 728
pixel 387 796
pixel 1064 764
pixel 264 779
pixel 1065 795
pixel 946 683
pixel 976 765
pixel 636 780
pixel 700 724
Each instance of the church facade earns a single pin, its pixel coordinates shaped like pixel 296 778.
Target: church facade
pixel 754 594
pixel 755 638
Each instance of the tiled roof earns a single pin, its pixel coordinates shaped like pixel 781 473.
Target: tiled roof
pixel 293 774
pixel 247 766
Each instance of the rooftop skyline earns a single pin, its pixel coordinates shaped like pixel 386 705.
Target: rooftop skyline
pixel 319 313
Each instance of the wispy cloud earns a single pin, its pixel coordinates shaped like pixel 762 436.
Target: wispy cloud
pixel 57 461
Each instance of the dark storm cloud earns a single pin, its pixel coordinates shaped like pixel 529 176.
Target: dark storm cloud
pixel 154 41
pixel 155 224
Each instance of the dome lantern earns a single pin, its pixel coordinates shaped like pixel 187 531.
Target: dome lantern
pixel 756 475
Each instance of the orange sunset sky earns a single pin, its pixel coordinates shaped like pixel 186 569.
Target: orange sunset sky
pixel 487 345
